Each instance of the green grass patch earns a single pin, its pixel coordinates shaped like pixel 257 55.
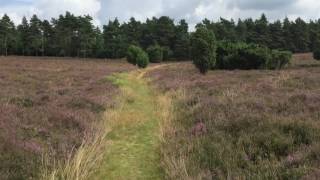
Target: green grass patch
pixel 134 150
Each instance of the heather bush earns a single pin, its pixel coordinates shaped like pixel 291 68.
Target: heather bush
pixel 155 54
pixel 203 49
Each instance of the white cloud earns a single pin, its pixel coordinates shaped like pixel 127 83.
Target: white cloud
pixel 47 9
pixel 191 10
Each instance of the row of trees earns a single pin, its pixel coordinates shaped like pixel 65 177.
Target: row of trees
pixel 76 36
pixel 208 53
pixel 295 36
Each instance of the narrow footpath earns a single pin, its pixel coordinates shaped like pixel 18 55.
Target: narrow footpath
pixel 134 149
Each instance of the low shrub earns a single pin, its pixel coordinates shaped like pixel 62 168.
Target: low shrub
pixel 203 49
pixel 155 54
pixel 142 60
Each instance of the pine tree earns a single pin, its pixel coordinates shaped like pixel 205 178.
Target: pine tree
pixel 261 35
pixel 86 35
pixel 182 41
pixel 132 31
pixel 288 35
pixel 47 38
pixel 203 49
pixel 36 35
pixel 241 31
pixel 301 36
pixel 276 36
pixel 7 35
pixel 114 40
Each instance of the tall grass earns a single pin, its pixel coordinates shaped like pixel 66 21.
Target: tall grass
pixel 173 161
pixel 82 162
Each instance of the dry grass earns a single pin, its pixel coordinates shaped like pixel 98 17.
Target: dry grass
pixel 51 106
pixel 242 124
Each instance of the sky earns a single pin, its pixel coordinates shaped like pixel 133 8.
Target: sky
pixel 192 10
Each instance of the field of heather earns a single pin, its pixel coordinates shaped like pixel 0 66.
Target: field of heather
pixel 240 124
pixel 48 106
pixel 255 124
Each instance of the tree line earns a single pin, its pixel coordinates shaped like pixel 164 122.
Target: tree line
pixel 76 36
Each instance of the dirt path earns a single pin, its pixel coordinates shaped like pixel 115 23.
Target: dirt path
pixel 134 152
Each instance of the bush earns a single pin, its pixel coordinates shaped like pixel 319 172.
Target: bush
pixel 137 56
pixel 316 53
pixel 203 49
pixel 249 56
pixel 279 59
pixel 132 54
pixel 142 60
pixel 155 54
pixel 241 56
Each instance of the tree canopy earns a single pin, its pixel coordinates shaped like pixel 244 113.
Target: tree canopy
pixel 76 36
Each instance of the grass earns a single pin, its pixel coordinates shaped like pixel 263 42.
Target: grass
pixel 134 152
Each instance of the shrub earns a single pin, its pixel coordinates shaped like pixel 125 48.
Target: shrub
pixel 316 53
pixel 241 56
pixel 249 56
pixel 142 60
pixel 203 49
pixel 155 54
pixel 279 59
pixel 132 54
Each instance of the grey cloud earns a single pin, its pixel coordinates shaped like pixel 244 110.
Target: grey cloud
pixel 261 4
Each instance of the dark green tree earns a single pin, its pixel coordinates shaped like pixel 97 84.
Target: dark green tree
pixel 288 35
pixel 7 35
pixel 47 38
pixel 132 31
pixel 36 35
pixel 142 59
pixel 98 47
pixel 241 31
pixel 261 35
pixel 182 41
pixel 86 36
pixel 155 53
pixel 23 37
pixel 277 40
pixel 114 40
pixel 203 49
pixel 301 37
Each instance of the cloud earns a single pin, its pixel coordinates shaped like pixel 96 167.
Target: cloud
pixel 260 4
pixel 192 10
pixel 47 9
